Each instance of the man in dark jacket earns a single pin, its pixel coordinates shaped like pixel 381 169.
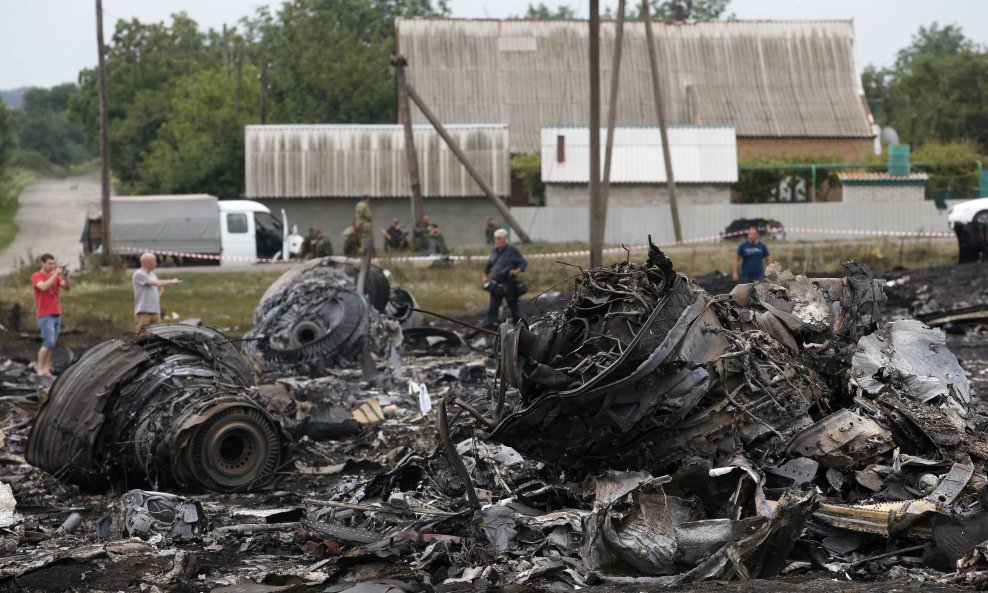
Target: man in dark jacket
pixel 500 277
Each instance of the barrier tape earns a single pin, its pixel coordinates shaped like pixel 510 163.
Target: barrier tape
pixel 581 252
pixel 209 256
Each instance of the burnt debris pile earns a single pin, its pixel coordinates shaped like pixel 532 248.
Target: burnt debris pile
pixel 314 318
pixel 649 433
pixel 174 406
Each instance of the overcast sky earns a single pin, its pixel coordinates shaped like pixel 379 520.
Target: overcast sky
pixel 47 42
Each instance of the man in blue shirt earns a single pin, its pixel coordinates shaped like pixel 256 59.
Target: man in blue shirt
pixel 500 278
pixel 749 258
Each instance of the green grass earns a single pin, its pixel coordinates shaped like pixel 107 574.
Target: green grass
pixel 11 185
pixel 100 304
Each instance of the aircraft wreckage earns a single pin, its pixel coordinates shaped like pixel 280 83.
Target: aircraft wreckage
pixel 172 406
pixel 649 433
pixel 784 412
pixel 314 318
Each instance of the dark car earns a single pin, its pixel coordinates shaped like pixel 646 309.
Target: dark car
pixel 739 228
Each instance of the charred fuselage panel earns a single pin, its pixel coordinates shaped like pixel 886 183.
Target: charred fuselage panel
pixel 173 406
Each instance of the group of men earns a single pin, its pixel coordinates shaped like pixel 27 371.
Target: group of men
pixel 501 278
pixel 426 237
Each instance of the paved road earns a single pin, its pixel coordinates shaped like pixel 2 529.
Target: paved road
pixel 51 217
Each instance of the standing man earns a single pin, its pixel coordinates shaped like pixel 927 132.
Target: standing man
pixel 420 234
pixel 147 293
pixel 501 277
pixel 749 258
pixel 46 282
pixel 489 227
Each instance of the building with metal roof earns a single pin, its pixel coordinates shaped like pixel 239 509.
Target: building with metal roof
pixel 879 186
pixel 346 161
pixel 317 173
pixel 786 87
pixel 704 164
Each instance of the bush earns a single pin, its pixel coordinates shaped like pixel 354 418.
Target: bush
pixel 528 168
pixel 762 183
pixel 32 160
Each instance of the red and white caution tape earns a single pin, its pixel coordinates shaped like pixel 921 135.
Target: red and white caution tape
pixel 206 256
pixel 581 252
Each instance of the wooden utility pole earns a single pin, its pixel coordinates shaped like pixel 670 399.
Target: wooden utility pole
pixel 263 109
pixel 104 140
pixel 455 148
pixel 411 155
pixel 240 77
pixel 597 214
pixel 226 50
pixel 605 185
pixel 666 153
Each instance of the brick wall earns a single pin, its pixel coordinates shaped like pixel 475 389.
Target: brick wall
pixel 851 150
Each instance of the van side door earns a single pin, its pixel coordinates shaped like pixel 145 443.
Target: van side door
pixel 237 237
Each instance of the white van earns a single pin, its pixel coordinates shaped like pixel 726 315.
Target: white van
pixel 194 229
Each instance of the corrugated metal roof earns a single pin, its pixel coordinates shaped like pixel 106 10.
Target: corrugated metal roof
pixel 862 176
pixel 767 79
pixel 700 154
pixel 878 175
pixel 309 161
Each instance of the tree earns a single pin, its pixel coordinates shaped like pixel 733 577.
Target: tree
pixel 41 125
pixel 6 136
pixel 670 10
pixel 200 148
pixel 329 60
pixel 542 12
pixel 934 41
pixel 936 92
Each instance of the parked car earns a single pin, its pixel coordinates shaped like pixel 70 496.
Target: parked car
pixel 739 228
pixel 969 221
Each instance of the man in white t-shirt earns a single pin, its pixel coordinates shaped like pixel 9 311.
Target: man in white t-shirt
pixel 147 292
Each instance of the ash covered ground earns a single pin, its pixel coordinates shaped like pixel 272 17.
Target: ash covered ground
pixel 368 497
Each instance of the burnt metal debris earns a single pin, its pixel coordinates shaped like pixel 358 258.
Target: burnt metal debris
pixel 313 318
pixel 648 434
pixel 173 406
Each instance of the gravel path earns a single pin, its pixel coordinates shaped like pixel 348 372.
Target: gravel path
pixel 51 217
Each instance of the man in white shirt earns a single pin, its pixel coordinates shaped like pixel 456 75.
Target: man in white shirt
pixel 147 292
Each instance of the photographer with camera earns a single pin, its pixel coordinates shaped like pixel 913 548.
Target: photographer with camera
pixel 500 278
pixel 46 283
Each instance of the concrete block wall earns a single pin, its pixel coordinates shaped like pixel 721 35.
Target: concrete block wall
pixel 633 224
pixel 886 193
pixel 635 195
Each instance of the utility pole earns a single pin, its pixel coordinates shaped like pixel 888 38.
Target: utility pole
pixel 597 214
pixel 605 185
pixel 226 50
pixel 264 89
pixel 405 117
pixel 104 140
pixel 455 148
pixel 666 153
pixel 240 77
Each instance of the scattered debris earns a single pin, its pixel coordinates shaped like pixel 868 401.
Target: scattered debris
pixel 786 427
